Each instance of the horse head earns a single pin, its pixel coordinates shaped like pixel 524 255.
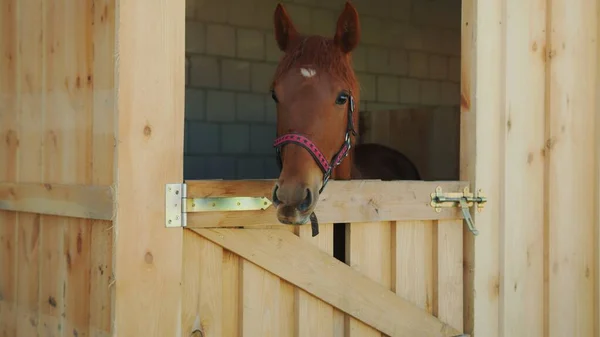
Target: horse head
pixel 317 95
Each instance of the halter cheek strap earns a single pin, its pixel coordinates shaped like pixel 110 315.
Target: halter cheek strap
pixel 325 166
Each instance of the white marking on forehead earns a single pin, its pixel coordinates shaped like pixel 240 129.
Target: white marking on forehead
pixel 308 72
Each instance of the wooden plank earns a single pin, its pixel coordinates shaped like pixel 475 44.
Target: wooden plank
pixel 103 143
pixel 190 305
pixel 52 320
pixel 150 104
pixel 71 91
pixel 203 286
pixel 368 251
pixel 341 201
pixel 9 248
pixel 448 272
pixel 481 159
pixel 412 268
pixel 231 317
pixel 287 308
pixel 68 200
pixel 597 198
pixel 299 262
pixel 569 145
pixel 315 317
pixel 260 301
pixel 523 126
pixel 30 134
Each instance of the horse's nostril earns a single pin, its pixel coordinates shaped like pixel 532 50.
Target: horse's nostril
pixel 276 200
pixel 306 202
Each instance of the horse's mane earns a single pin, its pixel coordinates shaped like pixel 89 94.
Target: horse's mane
pixel 320 53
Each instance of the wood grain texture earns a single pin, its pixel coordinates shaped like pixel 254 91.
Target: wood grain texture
pixel 314 317
pixel 284 254
pixel 150 104
pixel 48 112
pixel 412 263
pixel 9 169
pixel 341 201
pixel 368 251
pixel 481 158
pixel 523 127
pixel 448 272
pixel 67 200
pixel 204 287
pixel 597 197
pixel 569 145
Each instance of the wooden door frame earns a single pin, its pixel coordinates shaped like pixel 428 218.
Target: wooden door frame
pixel 155 261
pixel 481 32
pixel 149 89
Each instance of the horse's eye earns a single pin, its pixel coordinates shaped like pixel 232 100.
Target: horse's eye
pixel 274 96
pixel 341 99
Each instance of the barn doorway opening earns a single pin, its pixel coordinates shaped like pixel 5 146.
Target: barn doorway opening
pixel 408 65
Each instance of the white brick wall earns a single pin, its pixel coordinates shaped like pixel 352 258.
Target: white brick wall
pixel 408 56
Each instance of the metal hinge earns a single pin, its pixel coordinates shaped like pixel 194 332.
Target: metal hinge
pixel 464 200
pixel 175 208
pixel 177 204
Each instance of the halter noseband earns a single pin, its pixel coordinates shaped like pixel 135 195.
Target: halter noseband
pixel 306 143
pixel 318 156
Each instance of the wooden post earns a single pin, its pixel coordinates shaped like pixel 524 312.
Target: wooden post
pixel 570 177
pixel 150 93
pixel 529 140
pixel 481 159
pixel 521 230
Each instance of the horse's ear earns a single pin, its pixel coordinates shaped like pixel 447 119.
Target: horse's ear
pixel 285 31
pixel 347 34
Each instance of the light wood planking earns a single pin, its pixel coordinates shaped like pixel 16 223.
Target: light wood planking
pixel 8 170
pixel 287 308
pixel 69 200
pixel 368 251
pixel 412 263
pixel 29 162
pixel 448 272
pixel 103 143
pixel 69 138
pixel 150 102
pixel 315 317
pixel 260 301
pixel 191 281
pixel 597 196
pixel 480 158
pixel 55 149
pixel 289 257
pixel 203 286
pixel 571 138
pixel 341 201
pixel 231 314
pixel 523 127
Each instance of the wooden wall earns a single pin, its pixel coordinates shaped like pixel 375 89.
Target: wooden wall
pixel 428 136
pixel 530 140
pixel 89 103
pixel 56 127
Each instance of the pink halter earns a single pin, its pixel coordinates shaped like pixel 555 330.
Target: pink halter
pixel 318 156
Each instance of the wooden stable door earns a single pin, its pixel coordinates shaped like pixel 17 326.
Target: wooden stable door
pixel 244 274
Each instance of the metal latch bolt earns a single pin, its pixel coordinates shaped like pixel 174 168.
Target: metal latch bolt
pixel 464 199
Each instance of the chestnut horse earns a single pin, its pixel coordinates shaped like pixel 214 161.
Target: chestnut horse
pixel 317 97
